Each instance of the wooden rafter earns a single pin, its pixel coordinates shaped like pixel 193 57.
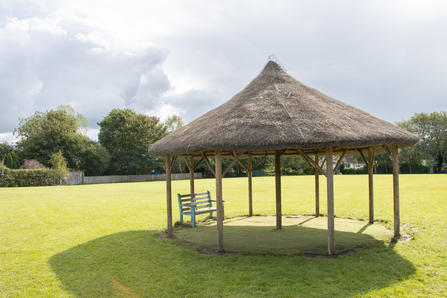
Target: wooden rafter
pixel 324 160
pixel 236 158
pixel 198 164
pixel 312 162
pixel 310 165
pixel 340 159
pixel 387 150
pixel 188 164
pixel 363 156
pixel 239 162
pixel 209 165
pixel 257 165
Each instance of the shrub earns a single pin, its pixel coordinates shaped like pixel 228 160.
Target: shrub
pixel 22 178
pixel 363 170
pixel 59 167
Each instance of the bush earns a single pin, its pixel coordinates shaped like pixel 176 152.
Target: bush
pixel 22 178
pixel 363 170
pixel 59 167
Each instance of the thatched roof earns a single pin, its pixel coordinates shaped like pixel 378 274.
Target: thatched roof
pixel 276 112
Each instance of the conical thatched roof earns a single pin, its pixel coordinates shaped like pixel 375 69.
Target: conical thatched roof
pixel 275 112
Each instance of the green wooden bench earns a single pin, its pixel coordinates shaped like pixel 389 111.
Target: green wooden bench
pixel 196 203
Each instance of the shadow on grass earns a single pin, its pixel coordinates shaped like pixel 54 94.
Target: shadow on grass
pixel 301 235
pixel 140 264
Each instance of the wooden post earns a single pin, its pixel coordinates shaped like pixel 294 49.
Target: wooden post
pixel 396 190
pixel 278 189
pixel 218 171
pixel 250 186
pixel 191 174
pixel 370 184
pixel 330 201
pixel 317 189
pixel 169 194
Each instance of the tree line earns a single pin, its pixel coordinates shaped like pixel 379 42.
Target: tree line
pixel 124 138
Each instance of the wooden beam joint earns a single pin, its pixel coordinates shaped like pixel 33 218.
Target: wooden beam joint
pixel 313 163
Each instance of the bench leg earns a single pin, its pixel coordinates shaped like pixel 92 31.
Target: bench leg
pixel 181 217
pixel 193 219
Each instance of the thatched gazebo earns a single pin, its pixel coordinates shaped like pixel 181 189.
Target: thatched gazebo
pixel 278 115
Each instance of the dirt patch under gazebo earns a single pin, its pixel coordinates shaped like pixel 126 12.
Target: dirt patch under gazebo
pixel 299 235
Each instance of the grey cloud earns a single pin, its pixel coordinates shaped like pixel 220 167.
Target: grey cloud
pixel 47 65
pixel 386 59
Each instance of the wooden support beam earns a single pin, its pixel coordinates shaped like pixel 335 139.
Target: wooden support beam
pixel 387 150
pixel 173 160
pixel 396 190
pixel 317 189
pixel 330 203
pixel 312 163
pixel 363 156
pixel 250 186
pixel 209 165
pixel 236 158
pixel 324 160
pixel 187 161
pixel 370 184
pixel 191 173
pixel 257 165
pixel 169 194
pixel 242 165
pixel 340 160
pixel 278 189
pixel 198 164
pixel 218 159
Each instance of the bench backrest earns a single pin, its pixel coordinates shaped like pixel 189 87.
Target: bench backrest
pixel 202 199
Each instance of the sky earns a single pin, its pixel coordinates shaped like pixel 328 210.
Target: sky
pixel 388 58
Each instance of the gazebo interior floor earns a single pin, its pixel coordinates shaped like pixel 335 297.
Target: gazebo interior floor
pixel 299 235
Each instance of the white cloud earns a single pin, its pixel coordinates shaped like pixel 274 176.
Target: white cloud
pixel 8 137
pixel 49 62
pixel 162 57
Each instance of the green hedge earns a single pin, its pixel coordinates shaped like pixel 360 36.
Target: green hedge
pixel 22 178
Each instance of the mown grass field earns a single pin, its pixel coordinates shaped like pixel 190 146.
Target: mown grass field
pixel 101 241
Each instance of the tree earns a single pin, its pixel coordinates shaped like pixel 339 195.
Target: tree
pixel 11 161
pixel 173 122
pixel 383 163
pixel 5 148
pixel 46 133
pixel 127 136
pixel 59 166
pixel 432 130
pixel 290 165
pixel 8 157
pixel 94 159
pixel 411 156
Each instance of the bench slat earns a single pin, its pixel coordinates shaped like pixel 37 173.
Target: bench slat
pixel 195 199
pixel 197 194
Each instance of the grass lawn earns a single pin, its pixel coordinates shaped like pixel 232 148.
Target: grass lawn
pixel 101 241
